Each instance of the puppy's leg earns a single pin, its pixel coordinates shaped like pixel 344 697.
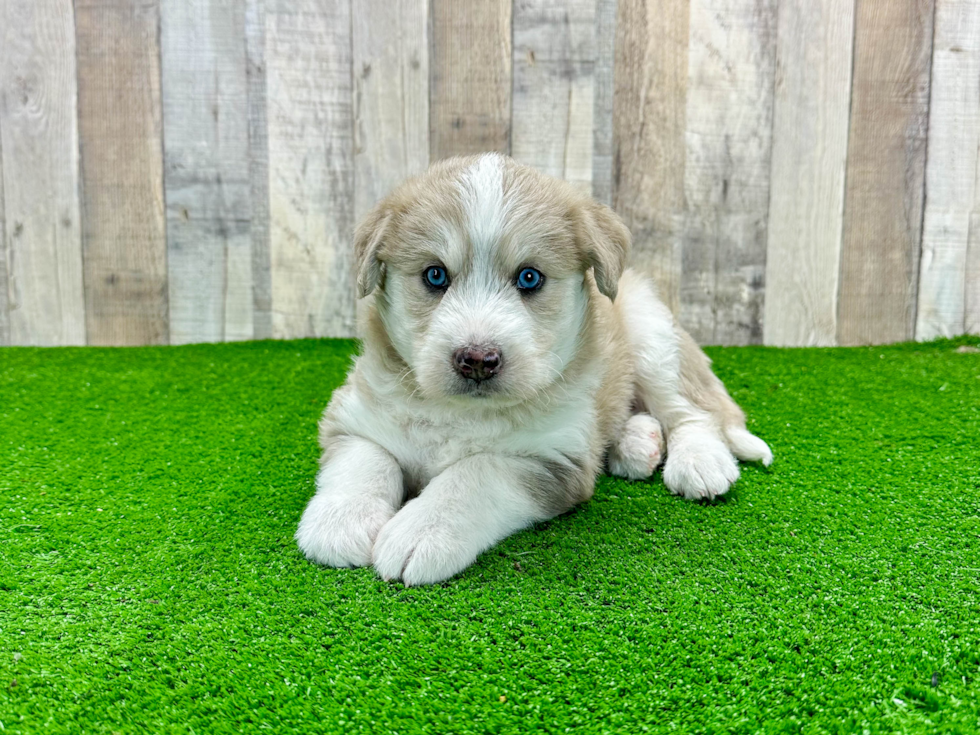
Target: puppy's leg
pixel 703 388
pixel 465 510
pixel 639 449
pixel 675 383
pixel 357 491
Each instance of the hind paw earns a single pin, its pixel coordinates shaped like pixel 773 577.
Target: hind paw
pixel 639 450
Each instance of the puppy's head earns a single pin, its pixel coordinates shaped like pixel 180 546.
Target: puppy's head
pixel 483 271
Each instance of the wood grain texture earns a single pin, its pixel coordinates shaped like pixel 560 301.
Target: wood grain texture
pixel 602 115
pixel 470 77
pixel 809 155
pixel 951 169
pixel 4 264
pixel 120 127
pixel 554 88
pixel 971 319
pixel 807 174
pixel 38 125
pixel 391 97
pixel 206 170
pixel 311 166
pixel 885 171
pixel 648 135
pixel 258 162
pixel 726 175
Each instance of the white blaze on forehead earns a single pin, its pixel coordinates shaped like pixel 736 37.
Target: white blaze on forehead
pixel 481 189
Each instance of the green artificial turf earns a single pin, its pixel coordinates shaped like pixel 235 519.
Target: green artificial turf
pixel 149 581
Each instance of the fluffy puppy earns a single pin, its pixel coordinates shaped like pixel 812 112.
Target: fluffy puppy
pixel 506 357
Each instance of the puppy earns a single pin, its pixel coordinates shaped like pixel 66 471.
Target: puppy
pixel 506 356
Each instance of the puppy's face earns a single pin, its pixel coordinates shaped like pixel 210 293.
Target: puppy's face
pixel 480 269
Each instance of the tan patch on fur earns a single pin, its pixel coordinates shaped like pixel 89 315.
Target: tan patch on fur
pixel 702 387
pixel 611 345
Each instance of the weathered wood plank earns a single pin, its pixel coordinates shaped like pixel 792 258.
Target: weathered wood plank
pixel 4 265
pixel 258 148
pixel 951 169
pixel 311 152
pixel 885 171
pixel 206 170
pixel 120 126
pixel 391 97
pixel 809 154
pixel 648 135
pixel 971 321
pixel 553 91
pixel 39 129
pixel 726 175
pixel 470 77
pixel 602 116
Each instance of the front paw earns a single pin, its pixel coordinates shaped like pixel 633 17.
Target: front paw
pixel 339 531
pixel 699 467
pixel 422 546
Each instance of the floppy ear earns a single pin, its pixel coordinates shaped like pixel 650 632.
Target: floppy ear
pixel 605 244
pixel 367 242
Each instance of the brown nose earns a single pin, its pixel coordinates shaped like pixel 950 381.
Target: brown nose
pixel 477 363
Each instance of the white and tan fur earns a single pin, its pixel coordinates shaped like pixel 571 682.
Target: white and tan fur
pixel 422 470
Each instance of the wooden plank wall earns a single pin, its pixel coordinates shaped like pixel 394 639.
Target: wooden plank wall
pixel 391 98
pixel 470 77
pixel 206 173
pixel 886 155
pixel 727 144
pixel 4 263
pixel 258 162
pixel 39 139
pixel 794 172
pixel 811 105
pixel 124 237
pixel 553 94
pixel 649 150
pixel 946 305
pixel 311 167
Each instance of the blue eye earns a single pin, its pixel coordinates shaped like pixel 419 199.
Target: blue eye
pixel 529 279
pixel 436 277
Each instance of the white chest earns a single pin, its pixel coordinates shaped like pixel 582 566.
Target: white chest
pixel 425 442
